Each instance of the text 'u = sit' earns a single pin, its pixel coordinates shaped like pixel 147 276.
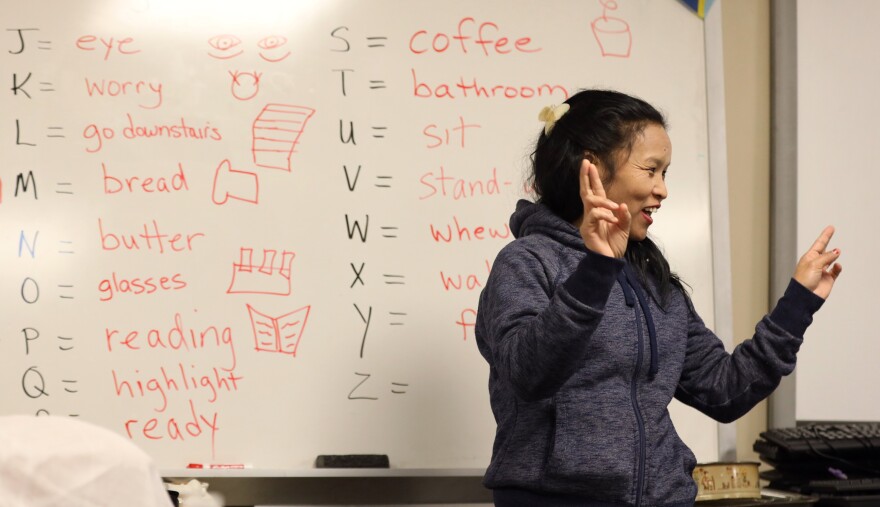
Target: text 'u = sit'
pixel 379 132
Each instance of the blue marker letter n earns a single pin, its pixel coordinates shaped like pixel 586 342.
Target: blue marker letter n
pixel 30 245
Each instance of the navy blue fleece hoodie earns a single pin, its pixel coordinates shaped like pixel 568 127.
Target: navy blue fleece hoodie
pixel 578 409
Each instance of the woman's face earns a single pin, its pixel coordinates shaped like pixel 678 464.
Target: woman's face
pixel 640 181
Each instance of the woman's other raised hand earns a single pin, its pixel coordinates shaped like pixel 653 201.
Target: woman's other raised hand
pixel 817 269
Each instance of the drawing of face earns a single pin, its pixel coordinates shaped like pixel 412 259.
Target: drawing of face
pixel 245 85
pixel 640 182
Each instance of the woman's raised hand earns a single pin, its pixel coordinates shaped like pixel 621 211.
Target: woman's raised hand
pixel 817 269
pixel 605 224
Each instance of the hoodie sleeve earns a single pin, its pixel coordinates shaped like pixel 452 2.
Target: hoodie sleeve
pixel 726 386
pixel 534 333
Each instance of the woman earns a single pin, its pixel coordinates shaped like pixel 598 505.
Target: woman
pixel 589 335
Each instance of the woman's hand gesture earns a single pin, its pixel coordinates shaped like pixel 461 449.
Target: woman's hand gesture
pixel 605 224
pixel 815 270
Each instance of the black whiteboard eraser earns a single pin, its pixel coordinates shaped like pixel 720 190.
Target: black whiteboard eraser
pixel 352 461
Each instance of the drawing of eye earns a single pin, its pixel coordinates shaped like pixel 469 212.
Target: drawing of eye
pixel 272 44
pixel 227 46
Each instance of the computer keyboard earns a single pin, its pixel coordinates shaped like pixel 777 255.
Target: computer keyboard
pixel 841 486
pixel 838 439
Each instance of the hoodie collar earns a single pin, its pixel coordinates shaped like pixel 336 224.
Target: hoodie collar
pixel 534 218
pixel 632 291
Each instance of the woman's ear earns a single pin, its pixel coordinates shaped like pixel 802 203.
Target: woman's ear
pixel 603 173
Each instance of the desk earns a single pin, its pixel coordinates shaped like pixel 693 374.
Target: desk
pixel 340 486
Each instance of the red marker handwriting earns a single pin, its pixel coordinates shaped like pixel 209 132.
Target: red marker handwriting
pixel 467 320
pixel 178 130
pixel 152 237
pixel 190 426
pixel 176 182
pixel 115 88
pixel 442 185
pixel 467 281
pixel 439 136
pixel 210 382
pixel 484 37
pixel 118 284
pixel 109 45
pixel 180 336
pixel 457 231
pixel 473 88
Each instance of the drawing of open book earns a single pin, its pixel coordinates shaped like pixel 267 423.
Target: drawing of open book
pixel 279 334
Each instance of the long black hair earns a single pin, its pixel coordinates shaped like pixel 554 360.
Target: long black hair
pixel 604 124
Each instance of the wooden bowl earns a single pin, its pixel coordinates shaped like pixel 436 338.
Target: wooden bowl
pixel 727 480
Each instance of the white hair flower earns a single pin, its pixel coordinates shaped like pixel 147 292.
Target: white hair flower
pixel 551 114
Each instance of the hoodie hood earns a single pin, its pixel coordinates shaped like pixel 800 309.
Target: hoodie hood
pixel 531 218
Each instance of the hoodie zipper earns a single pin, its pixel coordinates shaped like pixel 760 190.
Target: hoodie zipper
pixel 640 483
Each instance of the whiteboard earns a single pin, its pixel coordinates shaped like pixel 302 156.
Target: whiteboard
pixel 838 75
pixel 255 232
